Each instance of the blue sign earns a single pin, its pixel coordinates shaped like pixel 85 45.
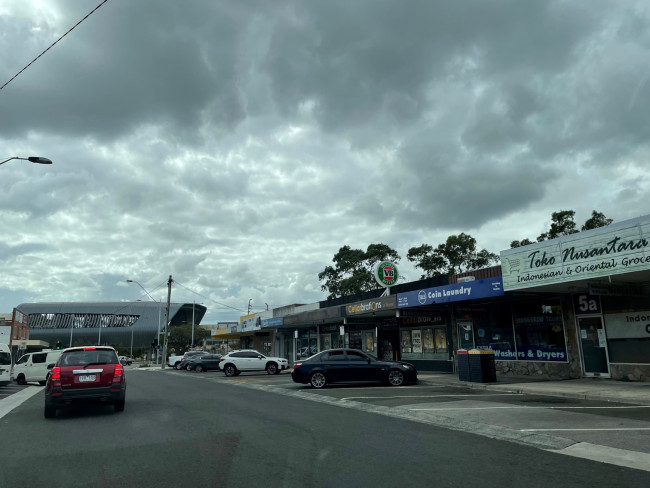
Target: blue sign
pixel 491 287
pixel 274 322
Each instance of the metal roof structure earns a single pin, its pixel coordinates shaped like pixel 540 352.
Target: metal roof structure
pixel 115 323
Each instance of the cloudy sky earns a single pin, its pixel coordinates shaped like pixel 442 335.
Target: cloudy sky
pixel 237 145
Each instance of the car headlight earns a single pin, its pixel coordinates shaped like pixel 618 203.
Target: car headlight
pixel 406 366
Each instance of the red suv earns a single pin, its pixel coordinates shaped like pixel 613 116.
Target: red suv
pixel 89 373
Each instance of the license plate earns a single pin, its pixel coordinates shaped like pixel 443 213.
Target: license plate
pixel 87 377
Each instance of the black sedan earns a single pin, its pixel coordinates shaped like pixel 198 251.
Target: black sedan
pixel 205 363
pixel 351 366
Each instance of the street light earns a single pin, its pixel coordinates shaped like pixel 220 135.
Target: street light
pixel 143 288
pixel 33 159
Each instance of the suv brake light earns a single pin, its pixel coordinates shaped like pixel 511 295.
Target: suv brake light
pixel 119 373
pixel 297 365
pixel 89 348
pixel 56 373
pixel 222 359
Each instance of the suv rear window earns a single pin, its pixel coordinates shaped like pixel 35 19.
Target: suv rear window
pixel 83 358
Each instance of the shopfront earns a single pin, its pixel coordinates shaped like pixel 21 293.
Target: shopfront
pixel 606 272
pixel 427 321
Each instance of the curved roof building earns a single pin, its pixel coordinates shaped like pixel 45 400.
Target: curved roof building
pixel 115 323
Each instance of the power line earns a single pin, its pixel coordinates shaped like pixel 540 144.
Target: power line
pixel 52 45
pixel 208 298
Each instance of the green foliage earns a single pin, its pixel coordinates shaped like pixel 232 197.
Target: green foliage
pixel 180 337
pixel 352 270
pixel 456 255
pixel 597 219
pixel 562 224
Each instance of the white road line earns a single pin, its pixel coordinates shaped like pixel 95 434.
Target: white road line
pixel 571 430
pixel 431 396
pixel 13 401
pixel 529 407
pixel 609 455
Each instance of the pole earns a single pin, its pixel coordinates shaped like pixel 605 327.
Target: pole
pixel 192 346
pixel 71 328
pixel 169 296
pixel 158 336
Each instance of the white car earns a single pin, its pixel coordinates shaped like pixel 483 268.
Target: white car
pixel 235 362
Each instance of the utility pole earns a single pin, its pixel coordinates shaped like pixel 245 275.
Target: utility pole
pixel 169 296
pixel 193 305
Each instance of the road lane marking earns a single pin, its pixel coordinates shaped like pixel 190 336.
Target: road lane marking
pixel 473 395
pixel 571 430
pixel 609 455
pixel 529 407
pixel 17 399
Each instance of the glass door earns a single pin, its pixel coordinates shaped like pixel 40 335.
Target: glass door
pixel 595 361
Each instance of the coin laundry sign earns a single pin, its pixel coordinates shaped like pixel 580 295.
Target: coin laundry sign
pixel 386 273
pixel 615 249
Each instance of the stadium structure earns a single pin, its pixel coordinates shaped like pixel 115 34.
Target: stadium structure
pixel 115 323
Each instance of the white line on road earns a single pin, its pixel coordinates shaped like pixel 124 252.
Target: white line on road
pixel 570 430
pixel 528 407
pixel 430 396
pixel 13 401
pixel 610 455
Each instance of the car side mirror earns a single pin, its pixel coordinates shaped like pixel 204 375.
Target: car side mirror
pixel 50 366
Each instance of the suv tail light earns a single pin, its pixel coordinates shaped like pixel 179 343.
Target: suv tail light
pixel 55 380
pixel 297 365
pixel 119 373
pixel 222 359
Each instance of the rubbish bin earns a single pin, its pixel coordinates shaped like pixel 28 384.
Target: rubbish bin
pixel 463 364
pixel 481 366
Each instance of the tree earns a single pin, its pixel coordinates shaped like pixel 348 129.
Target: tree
pixel 597 219
pixel 180 336
pixel 352 272
pixel 523 242
pixel 456 255
pixel 562 224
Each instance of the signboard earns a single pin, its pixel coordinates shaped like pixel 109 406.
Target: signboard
pixel 490 287
pixel 631 325
pixel 274 322
pixel 369 306
pixel 612 250
pixel 386 273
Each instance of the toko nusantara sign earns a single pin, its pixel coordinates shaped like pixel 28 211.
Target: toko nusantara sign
pixel 618 248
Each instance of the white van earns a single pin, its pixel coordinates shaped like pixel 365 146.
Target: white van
pixel 33 366
pixel 5 365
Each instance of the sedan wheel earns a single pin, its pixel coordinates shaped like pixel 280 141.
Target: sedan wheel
pixel 21 380
pixel 395 377
pixel 272 368
pixel 198 368
pixel 230 370
pixel 188 367
pixel 177 366
pixel 317 380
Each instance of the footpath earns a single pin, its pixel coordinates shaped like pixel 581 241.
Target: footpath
pixel 603 389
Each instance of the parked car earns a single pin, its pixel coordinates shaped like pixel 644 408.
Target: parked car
pixel 205 363
pixel 5 365
pixel 351 366
pixel 175 360
pixel 126 360
pixel 33 366
pixel 82 374
pixel 251 360
pixel 187 360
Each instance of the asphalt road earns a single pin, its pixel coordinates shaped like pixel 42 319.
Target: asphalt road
pixel 204 430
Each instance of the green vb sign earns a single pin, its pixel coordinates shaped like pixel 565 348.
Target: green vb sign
pixel 386 273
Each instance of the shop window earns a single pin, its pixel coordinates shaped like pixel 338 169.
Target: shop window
pixel 491 328
pixel 424 343
pixel 539 331
pixel 627 329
